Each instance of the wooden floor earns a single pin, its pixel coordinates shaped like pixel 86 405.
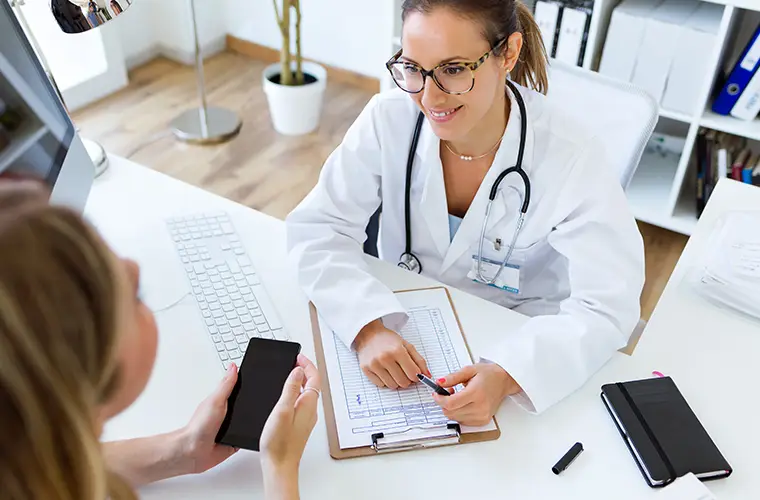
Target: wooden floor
pixel 260 168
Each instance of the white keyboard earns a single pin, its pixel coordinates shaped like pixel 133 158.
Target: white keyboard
pixel 233 302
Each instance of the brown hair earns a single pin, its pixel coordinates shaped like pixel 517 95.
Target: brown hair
pixel 501 18
pixel 58 345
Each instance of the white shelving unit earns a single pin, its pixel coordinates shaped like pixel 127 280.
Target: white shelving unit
pixel 661 192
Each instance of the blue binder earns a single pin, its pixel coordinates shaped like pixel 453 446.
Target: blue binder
pixel 740 76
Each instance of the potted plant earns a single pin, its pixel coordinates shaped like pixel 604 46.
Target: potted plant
pixel 294 88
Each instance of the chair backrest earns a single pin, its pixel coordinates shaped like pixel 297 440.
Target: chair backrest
pixel 622 116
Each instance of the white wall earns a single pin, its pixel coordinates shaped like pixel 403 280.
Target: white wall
pixel 348 34
pixel 152 27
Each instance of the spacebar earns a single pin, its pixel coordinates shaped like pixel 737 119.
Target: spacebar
pixel 267 308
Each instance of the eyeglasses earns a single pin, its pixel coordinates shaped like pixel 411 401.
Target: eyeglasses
pixel 451 77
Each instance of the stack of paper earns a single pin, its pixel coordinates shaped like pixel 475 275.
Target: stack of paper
pixel 729 273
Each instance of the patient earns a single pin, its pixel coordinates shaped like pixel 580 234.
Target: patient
pixel 77 347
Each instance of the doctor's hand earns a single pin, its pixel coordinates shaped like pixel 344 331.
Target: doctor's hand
pixel 486 385
pixel 387 359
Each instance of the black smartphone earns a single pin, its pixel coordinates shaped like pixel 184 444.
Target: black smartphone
pixel 261 377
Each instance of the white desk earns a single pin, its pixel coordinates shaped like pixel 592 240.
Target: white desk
pixel 129 204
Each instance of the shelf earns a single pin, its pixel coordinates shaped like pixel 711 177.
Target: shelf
pixel 675 115
pixel 21 141
pixel 731 125
pixel 649 189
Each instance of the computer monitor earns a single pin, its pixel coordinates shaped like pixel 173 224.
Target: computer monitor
pixel 37 137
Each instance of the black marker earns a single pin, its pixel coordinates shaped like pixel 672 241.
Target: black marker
pixel 430 383
pixel 565 461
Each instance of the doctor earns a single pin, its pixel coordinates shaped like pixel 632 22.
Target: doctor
pixel 559 217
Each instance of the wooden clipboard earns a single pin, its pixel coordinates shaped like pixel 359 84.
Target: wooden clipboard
pixel 332 429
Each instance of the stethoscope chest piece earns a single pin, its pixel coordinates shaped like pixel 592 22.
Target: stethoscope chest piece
pixel 410 263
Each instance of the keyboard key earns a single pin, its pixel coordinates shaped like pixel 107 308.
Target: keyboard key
pixel 247 270
pixel 192 251
pixel 230 316
pixel 228 337
pixel 239 251
pixel 222 293
pixel 241 339
pixel 244 261
pixel 229 282
pixel 225 328
pixel 230 346
pixel 263 328
pixel 216 338
pixel 195 258
pixel 185 237
pixel 235 354
pixel 212 298
pixel 206 314
pixel 217 313
pixel 199 268
pixel 227 364
pixel 185 260
pixel 239 303
pixel 219 347
pixel 225 300
pixel 223 355
pixel 215 279
pixel 197 290
pixel 241 310
pixel 224 246
pixel 221 322
pixel 248 297
pixel 252 280
pixel 213 271
pixel 215 306
pixel 236 296
pixel 227 308
pixel 249 327
pixel 246 318
pixel 235 322
pixel 209 321
pixel 259 320
pixel 218 286
pixel 253 307
pixel 238 330
pixel 226 275
pixel 213 329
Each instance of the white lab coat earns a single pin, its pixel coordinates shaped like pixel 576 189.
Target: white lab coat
pixel 580 251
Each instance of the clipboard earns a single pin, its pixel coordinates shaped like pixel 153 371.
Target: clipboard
pixel 449 434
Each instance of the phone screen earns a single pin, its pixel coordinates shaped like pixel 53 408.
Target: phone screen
pixel 261 377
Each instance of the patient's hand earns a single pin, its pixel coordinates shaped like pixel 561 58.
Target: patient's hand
pixel 197 437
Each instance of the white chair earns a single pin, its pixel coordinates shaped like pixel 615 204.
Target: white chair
pixel 622 116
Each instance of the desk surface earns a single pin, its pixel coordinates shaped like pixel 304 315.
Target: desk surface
pixel 129 204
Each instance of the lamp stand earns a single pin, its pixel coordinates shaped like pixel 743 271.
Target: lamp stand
pixel 94 149
pixel 204 125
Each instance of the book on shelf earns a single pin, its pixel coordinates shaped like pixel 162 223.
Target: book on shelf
pixel 565 26
pixel 722 155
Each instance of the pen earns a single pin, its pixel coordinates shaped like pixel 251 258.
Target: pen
pixel 569 457
pixel 430 383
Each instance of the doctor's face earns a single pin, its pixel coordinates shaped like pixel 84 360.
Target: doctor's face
pixel 443 36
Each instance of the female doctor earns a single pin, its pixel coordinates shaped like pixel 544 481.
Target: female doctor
pixel 558 217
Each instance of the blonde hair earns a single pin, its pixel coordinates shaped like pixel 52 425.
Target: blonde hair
pixel 58 344
pixel 501 18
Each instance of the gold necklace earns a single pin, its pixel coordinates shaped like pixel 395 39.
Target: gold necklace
pixel 471 158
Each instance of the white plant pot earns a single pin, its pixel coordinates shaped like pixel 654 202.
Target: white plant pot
pixel 295 110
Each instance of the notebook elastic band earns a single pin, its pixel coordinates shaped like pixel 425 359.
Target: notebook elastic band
pixel 650 434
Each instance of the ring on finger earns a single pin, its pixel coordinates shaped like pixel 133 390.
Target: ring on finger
pixel 313 389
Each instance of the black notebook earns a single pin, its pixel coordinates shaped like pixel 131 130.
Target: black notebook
pixel 662 432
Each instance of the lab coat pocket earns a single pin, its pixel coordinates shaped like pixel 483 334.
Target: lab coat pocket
pixel 515 273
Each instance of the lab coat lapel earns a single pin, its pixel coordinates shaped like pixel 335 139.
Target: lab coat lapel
pixel 433 205
pixel 468 235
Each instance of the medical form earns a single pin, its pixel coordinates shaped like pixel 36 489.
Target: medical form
pixel 362 409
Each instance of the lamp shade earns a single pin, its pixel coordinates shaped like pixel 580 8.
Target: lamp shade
pixel 77 16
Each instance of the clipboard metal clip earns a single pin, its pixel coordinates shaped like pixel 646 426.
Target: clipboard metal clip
pixel 387 441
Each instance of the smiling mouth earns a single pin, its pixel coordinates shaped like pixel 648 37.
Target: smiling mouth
pixel 445 113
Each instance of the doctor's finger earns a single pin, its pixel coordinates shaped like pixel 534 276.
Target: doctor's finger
pixel 398 375
pixel 461 414
pixel 455 401
pixel 374 378
pixel 461 377
pixel 409 366
pixel 385 378
pixel 422 366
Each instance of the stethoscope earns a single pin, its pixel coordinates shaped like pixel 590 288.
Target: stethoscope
pixel 408 260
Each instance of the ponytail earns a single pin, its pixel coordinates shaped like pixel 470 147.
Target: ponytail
pixel 530 69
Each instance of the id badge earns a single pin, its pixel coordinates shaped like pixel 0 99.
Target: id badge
pixel 508 280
